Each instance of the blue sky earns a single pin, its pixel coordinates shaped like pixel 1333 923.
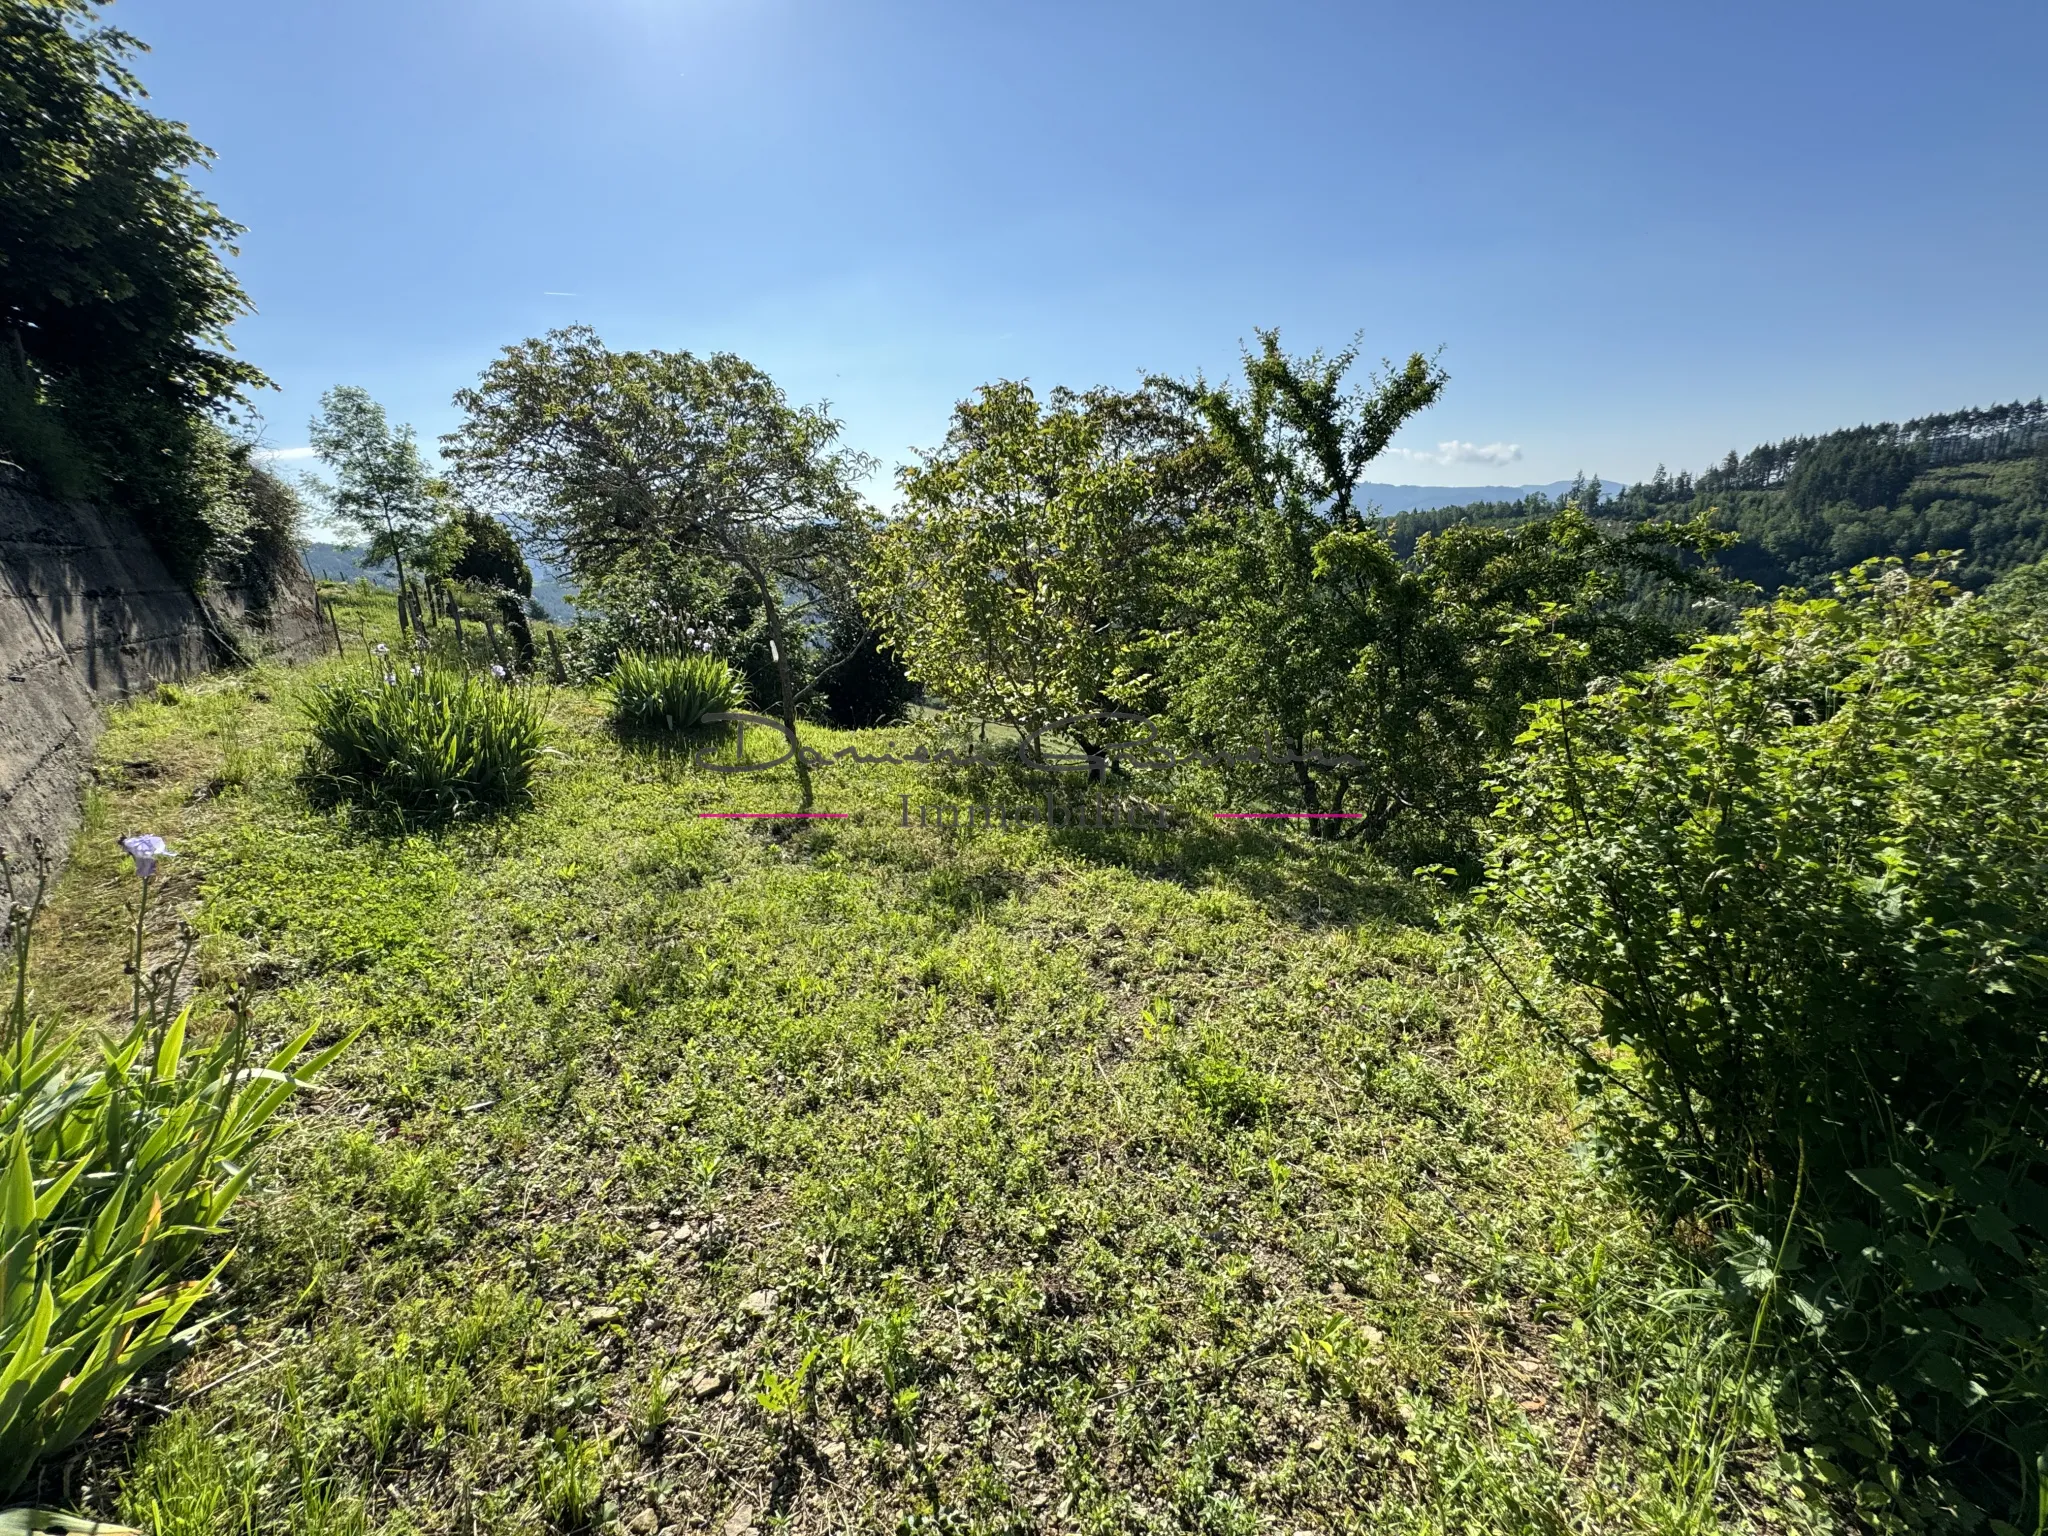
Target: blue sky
pixel 1639 233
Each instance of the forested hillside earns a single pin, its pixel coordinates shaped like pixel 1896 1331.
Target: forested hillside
pixel 1974 481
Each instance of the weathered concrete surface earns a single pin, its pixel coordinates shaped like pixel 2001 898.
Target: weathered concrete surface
pixel 89 615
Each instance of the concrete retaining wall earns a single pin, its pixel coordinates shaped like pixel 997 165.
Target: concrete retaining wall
pixel 89 615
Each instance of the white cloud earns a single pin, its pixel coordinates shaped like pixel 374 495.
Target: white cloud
pixel 1455 452
pixel 283 455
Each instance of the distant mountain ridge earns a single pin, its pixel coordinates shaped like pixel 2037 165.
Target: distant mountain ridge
pixel 342 562
pixel 1395 499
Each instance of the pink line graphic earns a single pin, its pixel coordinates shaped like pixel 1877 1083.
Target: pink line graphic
pixel 1288 815
pixel 772 815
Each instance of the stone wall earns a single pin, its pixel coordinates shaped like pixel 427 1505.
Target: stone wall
pixel 89 616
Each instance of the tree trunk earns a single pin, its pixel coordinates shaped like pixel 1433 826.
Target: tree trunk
pixel 780 652
pixel 398 555
pixel 1311 797
pixel 1098 763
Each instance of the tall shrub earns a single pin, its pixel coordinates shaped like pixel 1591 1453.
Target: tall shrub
pixel 115 296
pixel 1803 872
pixel 1013 576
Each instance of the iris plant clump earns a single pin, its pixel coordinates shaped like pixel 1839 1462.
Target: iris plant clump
pixel 669 696
pixel 425 746
pixel 119 1161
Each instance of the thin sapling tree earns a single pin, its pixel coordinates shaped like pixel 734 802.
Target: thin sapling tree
pixel 381 483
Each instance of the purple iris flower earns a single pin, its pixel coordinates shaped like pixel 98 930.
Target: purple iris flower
pixel 145 850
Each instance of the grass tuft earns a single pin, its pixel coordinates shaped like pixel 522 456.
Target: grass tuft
pixel 654 697
pixel 424 745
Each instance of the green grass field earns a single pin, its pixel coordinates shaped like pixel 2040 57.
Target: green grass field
pixel 745 1176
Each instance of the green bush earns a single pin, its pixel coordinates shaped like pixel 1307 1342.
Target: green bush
pixel 117 1167
pixel 424 744
pixel 1803 871
pixel 655 696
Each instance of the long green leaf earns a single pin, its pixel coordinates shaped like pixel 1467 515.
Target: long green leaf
pixel 172 1050
pixel 27 1350
pixel 55 1191
pixel 17 1193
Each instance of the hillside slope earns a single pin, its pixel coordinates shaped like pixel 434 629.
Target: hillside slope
pixel 344 562
pixel 862 1177
pixel 1972 481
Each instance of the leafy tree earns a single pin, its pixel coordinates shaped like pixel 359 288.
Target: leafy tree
pixel 1264 649
pixel 490 555
pixel 491 562
pixel 1314 663
pixel 623 461
pixel 1417 673
pixel 381 482
pixel 1547 608
pixel 114 297
pixel 1007 583
pixel 434 557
